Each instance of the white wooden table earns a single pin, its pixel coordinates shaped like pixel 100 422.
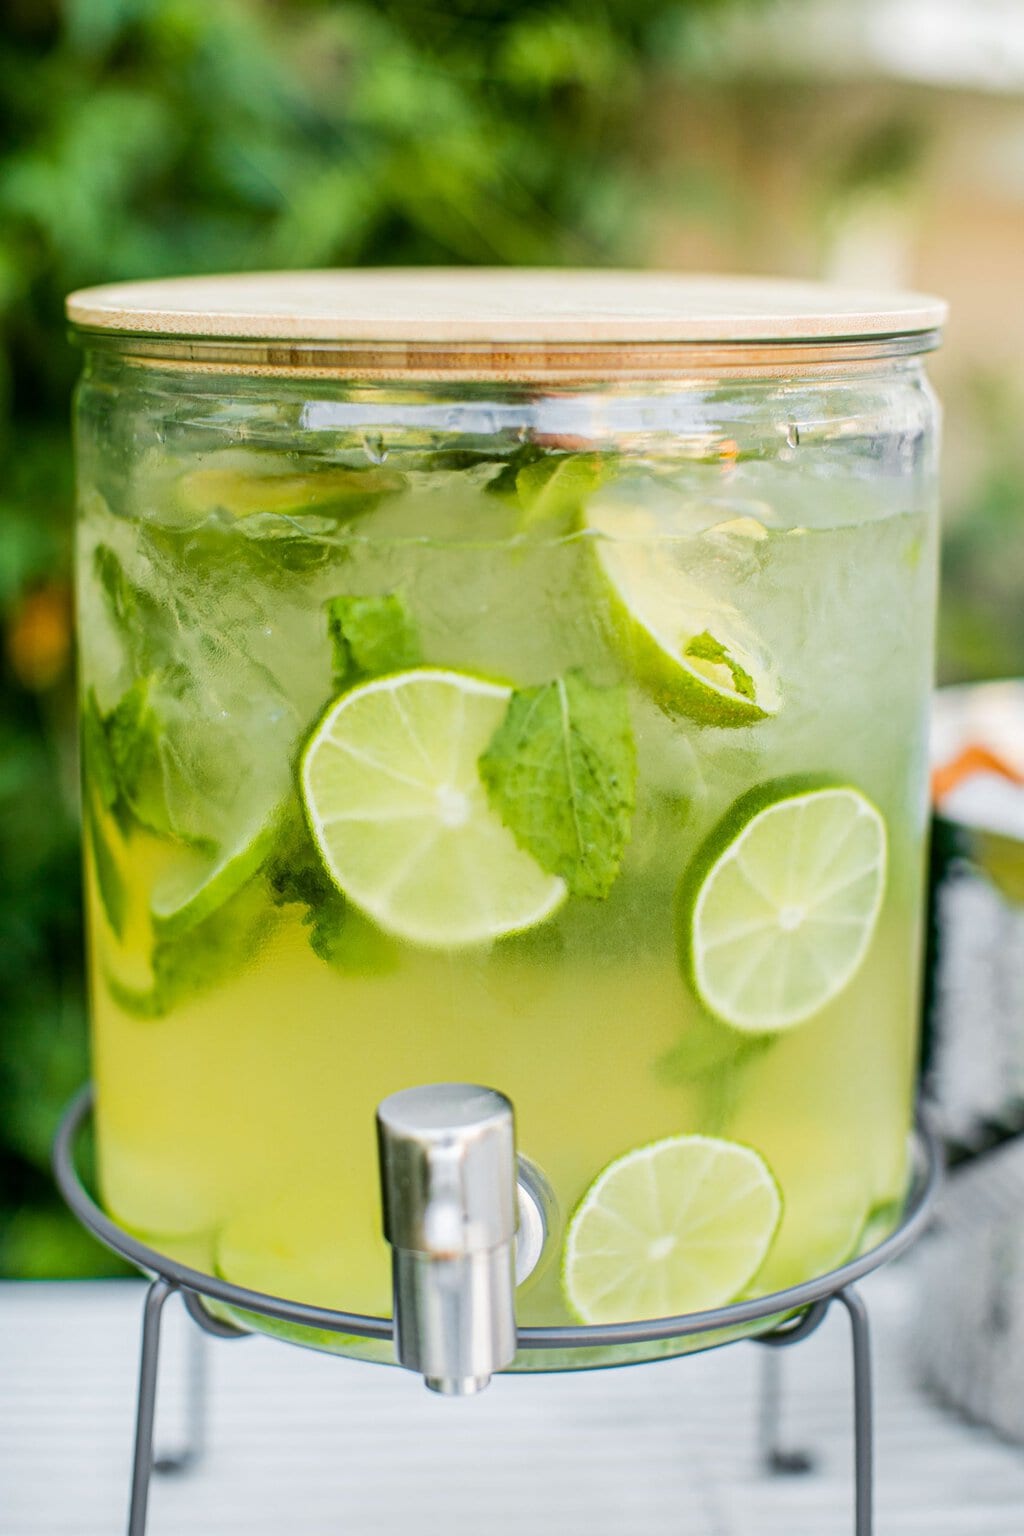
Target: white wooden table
pixel 306 1445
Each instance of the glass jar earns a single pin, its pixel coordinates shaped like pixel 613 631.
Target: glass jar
pixel 519 679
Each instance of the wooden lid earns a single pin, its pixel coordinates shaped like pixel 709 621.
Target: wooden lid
pixel 499 306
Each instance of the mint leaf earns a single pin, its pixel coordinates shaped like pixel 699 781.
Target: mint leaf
pixel 100 773
pixel 714 1060
pixel 122 753
pixel 338 934
pixel 122 597
pixel 554 489
pixel 214 951
pixel 704 647
pixel 295 871
pixel 343 938
pixel 709 1051
pixel 561 771
pixel 108 876
pixel 549 489
pixel 371 636
pixel 503 484
pixel 141 621
pixel 133 735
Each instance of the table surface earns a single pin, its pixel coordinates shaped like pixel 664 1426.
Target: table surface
pixel 306 1445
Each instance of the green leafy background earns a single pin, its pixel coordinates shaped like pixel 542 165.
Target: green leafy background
pixel 144 137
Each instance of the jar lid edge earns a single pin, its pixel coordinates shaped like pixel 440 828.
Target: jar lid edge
pixel 499 306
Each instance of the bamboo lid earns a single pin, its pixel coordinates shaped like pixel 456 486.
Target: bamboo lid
pixel 498 307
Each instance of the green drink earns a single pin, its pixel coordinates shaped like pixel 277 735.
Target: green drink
pixel 590 766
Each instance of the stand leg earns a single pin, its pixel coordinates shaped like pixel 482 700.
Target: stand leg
pixel 142 1464
pixel 195 1410
pixel 776 1459
pixel 196 1385
pixel 863 1411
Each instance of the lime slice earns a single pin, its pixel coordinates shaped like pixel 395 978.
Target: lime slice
pixel 195 885
pixel 241 484
pixel 402 821
pixel 692 650
pixel 780 904
pixel 679 1226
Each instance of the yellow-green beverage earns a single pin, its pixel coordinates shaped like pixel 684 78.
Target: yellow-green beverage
pixel 592 771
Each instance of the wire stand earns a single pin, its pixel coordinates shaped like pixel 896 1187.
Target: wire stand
pixel 803 1308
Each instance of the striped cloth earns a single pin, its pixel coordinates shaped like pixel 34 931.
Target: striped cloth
pixel 305 1445
pixel 970 1335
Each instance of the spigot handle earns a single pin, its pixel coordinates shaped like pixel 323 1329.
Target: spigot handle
pixel 450 1200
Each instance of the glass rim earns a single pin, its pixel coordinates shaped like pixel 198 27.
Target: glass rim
pixel 514 363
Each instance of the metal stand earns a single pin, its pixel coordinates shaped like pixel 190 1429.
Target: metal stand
pixel 144 1463
pixel 173 1463
pixel 788 1463
pixel 803 1308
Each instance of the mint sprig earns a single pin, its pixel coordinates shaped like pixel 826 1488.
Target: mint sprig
pixel 561 772
pixel 338 934
pixel 210 953
pixel 713 1060
pixel 109 883
pixel 124 762
pixel 133 741
pixel 548 489
pixel 141 622
pixel 552 491
pixel 370 636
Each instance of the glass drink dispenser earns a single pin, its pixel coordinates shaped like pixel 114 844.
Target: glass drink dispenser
pixel 516 681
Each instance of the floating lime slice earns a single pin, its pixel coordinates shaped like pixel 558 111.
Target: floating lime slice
pixel 780 905
pixel 241 484
pixel 402 821
pixel 675 1227
pixel 691 649
pixel 196 884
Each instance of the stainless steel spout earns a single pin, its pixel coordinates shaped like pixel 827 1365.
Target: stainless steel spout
pixel 451 1213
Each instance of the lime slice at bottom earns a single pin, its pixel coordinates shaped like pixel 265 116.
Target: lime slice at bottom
pixel 401 817
pixel 680 1226
pixel 781 904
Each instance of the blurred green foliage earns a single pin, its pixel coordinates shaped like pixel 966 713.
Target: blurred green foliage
pixel 145 137
pixel 981 622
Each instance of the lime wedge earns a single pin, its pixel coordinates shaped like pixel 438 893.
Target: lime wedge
pixel 780 905
pixel 402 820
pixel 690 648
pixel 679 1226
pixel 196 885
pixel 240 484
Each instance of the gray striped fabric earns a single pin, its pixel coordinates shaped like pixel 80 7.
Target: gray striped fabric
pixel 971 1331
pixel 304 1445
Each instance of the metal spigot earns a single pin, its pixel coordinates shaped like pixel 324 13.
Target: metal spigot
pixel 451 1213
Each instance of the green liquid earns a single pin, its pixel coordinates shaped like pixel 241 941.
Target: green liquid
pixel 236 1123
